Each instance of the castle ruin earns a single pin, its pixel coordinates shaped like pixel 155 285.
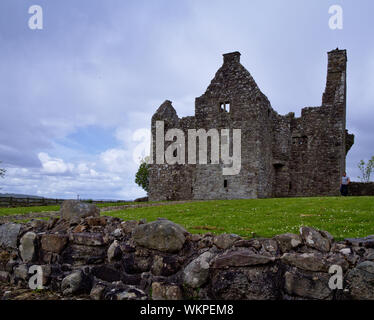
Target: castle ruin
pixel 281 155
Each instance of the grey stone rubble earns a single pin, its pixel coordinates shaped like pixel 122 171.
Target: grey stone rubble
pixel 161 260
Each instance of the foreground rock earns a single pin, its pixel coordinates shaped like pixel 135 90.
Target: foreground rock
pixel 319 240
pixel 9 233
pixel 74 210
pixel 162 235
pixel 105 258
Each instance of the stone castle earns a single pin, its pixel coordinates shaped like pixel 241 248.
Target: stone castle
pixel 281 155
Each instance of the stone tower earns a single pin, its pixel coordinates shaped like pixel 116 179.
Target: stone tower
pixel 280 155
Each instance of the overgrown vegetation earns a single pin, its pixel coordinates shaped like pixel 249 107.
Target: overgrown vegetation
pixel 366 169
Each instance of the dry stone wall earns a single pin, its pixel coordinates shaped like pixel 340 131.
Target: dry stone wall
pixel 100 257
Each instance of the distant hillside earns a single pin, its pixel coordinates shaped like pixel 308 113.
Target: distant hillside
pixel 16 195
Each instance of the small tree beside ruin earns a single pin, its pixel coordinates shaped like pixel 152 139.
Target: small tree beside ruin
pixel 2 172
pixel 142 176
pixel 366 169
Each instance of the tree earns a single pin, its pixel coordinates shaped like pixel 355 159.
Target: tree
pixel 366 169
pixel 142 176
pixel 2 172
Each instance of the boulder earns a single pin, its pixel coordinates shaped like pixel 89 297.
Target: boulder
pixel 87 239
pixel 4 259
pixel 306 261
pixel 4 276
pixel 117 233
pixel 361 281
pixel 225 240
pixel 165 266
pixel 54 242
pixel 269 246
pixel 114 251
pixel 97 291
pixel 197 271
pixel 74 210
pixel 131 294
pixel 129 226
pixel 240 258
pixel 76 282
pixel 161 291
pixel 96 221
pixel 367 242
pixel 82 255
pixel 308 287
pixel 9 235
pixel 27 247
pixel 21 272
pixel 254 283
pixel 316 239
pixel 162 235
pixel 106 273
pixel 288 241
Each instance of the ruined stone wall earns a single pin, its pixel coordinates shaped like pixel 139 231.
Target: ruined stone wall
pixel 361 189
pixel 98 257
pixel 234 85
pixel 281 146
pixel 170 182
pixel 318 137
pixel 281 155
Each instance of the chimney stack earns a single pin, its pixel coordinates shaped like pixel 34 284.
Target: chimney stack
pixel 232 57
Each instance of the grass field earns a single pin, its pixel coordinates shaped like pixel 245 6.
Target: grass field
pixel 24 210
pixel 341 216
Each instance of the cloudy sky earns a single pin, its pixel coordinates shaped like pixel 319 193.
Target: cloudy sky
pixel 77 95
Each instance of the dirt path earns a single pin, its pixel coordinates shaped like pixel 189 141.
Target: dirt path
pixel 52 214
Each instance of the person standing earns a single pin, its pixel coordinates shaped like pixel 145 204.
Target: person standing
pixel 344 185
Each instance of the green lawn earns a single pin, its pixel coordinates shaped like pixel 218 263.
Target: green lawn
pixel 24 210
pixel 342 216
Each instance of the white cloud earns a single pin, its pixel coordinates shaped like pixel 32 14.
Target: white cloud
pixel 122 61
pixel 116 160
pixel 54 165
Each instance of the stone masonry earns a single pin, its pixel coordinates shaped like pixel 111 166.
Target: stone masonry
pixel 281 155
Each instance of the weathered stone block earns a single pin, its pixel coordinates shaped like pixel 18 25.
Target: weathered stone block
pixel 74 210
pixel 240 258
pixel 197 271
pixel 27 246
pixel 54 242
pixel 87 239
pixel 9 233
pixel 162 291
pixel 162 235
